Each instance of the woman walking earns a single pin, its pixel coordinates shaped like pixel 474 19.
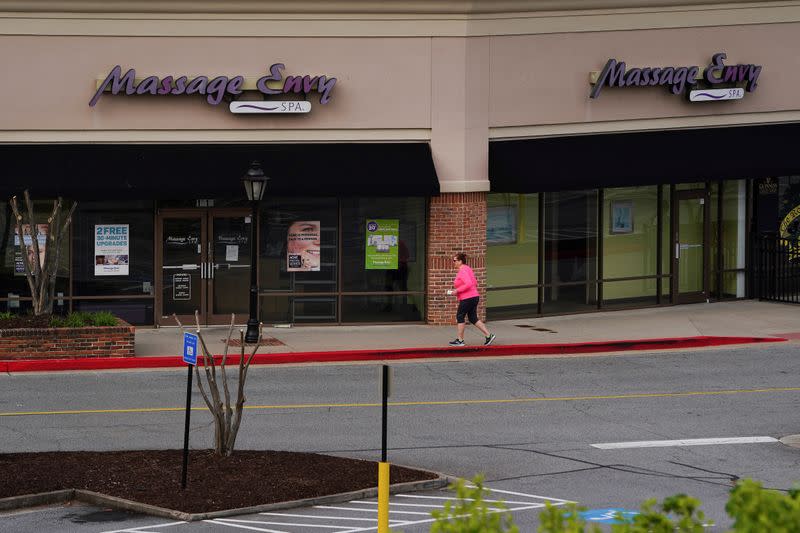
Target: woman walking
pixel 466 288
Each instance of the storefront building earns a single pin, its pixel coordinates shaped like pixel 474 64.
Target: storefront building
pixel 585 155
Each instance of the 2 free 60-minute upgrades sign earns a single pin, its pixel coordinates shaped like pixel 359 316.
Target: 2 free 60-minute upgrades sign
pixel 216 89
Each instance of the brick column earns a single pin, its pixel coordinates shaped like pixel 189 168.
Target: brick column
pixel 457 223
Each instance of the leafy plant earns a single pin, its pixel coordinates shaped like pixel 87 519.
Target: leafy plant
pixel 566 519
pixel 756 509
pixel 6 315
pixel 688 518
pixel 470 513
pixel 103 318
pixel 679 513
pixel 79 319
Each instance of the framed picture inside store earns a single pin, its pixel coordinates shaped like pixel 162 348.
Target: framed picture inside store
pixel 501 225
pixel 621 217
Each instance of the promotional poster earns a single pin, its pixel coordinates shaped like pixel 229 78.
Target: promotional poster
pixel 111 249
pixel 43 229
pixel 382 239
pixel 302 249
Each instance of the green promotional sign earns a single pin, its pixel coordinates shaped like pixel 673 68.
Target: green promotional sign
pixel 382 238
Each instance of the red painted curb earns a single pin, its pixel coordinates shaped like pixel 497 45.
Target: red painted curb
pixel 115 363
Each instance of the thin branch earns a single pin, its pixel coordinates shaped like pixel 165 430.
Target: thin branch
pixel 196 369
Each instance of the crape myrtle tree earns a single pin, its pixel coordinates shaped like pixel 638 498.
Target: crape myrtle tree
pixel 227 417
pixel 41 266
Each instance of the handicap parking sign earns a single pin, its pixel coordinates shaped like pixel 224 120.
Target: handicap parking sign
pixel 608 516
pixel 190 348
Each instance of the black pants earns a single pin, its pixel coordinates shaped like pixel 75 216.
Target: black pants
pixel 468 308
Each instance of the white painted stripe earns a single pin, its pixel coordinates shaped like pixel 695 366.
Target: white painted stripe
pixel 140 528
pixel 529 495
pixel 239 521
pixel 401 504
pixel 554 501
pixel 681 442
pixel 241 526
pixel 366 510
pixel 321 517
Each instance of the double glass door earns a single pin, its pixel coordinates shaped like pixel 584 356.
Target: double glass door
pixel 690 246
pixel 204 262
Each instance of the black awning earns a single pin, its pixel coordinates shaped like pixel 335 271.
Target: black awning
pixel 645 158
pixel 214 170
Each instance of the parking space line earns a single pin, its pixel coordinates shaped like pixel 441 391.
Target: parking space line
pixel 554 500
pixel 368 510
pixel 144 529
pixel 225 522
pixel 681 442
pixel 401 504
pixel 294 524
pixel 291 515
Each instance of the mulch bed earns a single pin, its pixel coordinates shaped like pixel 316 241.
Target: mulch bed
pixel 25 321
pixel 246 478
pixel 265 341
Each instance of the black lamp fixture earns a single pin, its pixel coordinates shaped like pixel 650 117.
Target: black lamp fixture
pixel 255 182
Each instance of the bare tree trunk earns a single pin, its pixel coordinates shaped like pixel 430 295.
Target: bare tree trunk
pixel 41 274
pixel 227 419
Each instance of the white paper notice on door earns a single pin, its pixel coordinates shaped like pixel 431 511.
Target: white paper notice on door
pixel 232 252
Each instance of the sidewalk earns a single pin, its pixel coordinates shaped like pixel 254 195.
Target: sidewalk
pixel 665 328
pixel 747 318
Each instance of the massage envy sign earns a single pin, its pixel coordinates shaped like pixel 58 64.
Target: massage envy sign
pixel 615 74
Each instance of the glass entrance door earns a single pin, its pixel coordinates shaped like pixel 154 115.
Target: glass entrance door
pixel 690 256
pixel 229 266
pixel 205 266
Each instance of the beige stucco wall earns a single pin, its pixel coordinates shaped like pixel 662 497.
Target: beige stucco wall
pixel 382 83
pixel 456 73
pixel 540 83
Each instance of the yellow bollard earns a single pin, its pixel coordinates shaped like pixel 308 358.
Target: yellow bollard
pixel 383 497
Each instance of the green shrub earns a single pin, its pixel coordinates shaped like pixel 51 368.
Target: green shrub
pixel 80 319
pixel 755 509
pixel 469 513
pixel 103 318
pixel 6 315
pixel 566 519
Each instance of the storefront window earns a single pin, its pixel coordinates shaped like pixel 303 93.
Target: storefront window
pixel 512 255
pixel 313 270
pixel 570 239
pixel 298 261
pixel 361 273
pixel 734 198
pixel 630 240
pixel 666 242
pixel 137 279
pixel 15 292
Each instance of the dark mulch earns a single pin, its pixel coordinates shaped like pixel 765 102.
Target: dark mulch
pixel 265 341
pixel 245 479
pixel 25 321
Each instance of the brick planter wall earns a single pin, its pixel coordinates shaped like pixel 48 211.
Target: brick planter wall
pixel 457 223
pixel 54 343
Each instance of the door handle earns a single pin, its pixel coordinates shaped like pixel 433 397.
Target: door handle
pixel 677 250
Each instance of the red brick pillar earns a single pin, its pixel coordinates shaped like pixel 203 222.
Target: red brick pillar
pixel 457 223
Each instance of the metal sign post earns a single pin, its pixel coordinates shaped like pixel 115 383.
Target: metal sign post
pixel 383 466
pixel 190 358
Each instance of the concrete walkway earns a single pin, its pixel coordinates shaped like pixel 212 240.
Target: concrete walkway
pixel 734 319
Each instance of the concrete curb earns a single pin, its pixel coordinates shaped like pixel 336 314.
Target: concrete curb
pixel 95 498
pixel 119 363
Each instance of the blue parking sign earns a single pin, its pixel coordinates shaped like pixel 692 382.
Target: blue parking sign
pixel 190 348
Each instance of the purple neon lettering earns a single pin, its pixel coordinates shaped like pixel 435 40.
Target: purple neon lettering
pixel 117 84
pixel 325 86
pixel 274 75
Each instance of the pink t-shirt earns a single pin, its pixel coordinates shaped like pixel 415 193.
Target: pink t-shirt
pixel 465 283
